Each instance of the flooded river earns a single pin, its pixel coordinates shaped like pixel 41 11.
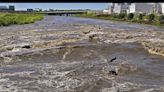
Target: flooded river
pixel 70 54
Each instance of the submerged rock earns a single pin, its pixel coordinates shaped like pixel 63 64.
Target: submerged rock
pixel 113 72
pixel 26 46
pixel 20 45
pixel 86 32
pixel 91 37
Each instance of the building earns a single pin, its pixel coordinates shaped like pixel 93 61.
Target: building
pixel 117 8
pixel 51 9
pixel 6 9
pixel 11 8
pixel 110 8
pixel 30 10
pixel 162 6
pixel 3 8
pixel 141 8
pixel 157 8
pixel 146 8
pixel 37 9
pixel 106 11
pixel 120 7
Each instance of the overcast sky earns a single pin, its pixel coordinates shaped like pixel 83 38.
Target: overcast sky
pixel 45 6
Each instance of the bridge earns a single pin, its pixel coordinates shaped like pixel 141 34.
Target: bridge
pixel 55 12
pixel 62 13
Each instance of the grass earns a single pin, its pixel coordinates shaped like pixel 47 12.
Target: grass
pixel 13 18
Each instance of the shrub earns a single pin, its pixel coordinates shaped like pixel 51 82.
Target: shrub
pixel 121 15
pixel 161 19
pixel 151 17
pixel 130 16
pixel 140 17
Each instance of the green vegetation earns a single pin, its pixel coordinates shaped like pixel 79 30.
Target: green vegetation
pixel 13 18
pixel 121 15
pixel 140 17
pixel 161 19
pixel 130 16
pixel 136 18
pixel 151 17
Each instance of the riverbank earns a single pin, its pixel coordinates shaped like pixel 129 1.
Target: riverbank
pixel 156 21
pixel 12 18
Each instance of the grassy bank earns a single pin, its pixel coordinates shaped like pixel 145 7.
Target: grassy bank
pixel 140 18
pixel 12 18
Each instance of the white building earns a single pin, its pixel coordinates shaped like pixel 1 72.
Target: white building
pixel 111 7
pixel 117 8
pixel 157 8
pixel 106 11
pixel 147 8
pixel 141 8
pixel 121 7
pixel 162 6
pixel 109 10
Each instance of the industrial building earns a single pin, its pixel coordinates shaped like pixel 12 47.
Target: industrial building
pixel 7 9
pixel 141 8
pixel 147 8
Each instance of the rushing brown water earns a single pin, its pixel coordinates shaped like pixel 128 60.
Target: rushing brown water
pixel 76 66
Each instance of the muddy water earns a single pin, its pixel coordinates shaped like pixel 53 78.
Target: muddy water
pixel 82 66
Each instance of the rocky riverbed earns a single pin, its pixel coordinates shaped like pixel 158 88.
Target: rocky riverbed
pixel 67 54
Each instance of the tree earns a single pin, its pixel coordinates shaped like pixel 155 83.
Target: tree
pixel 151 17
pixel 130 16
pixel 140 17
pixel 121 15
pixel 161 19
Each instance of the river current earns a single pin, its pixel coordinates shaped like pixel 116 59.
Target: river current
pixel 82 66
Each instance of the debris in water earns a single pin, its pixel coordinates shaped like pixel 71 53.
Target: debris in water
pixel 26 46
pixel 91 37
pixel 86 32
pixel 113 72
pixel 113 59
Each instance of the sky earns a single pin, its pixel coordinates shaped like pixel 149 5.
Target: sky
pixel 47 6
